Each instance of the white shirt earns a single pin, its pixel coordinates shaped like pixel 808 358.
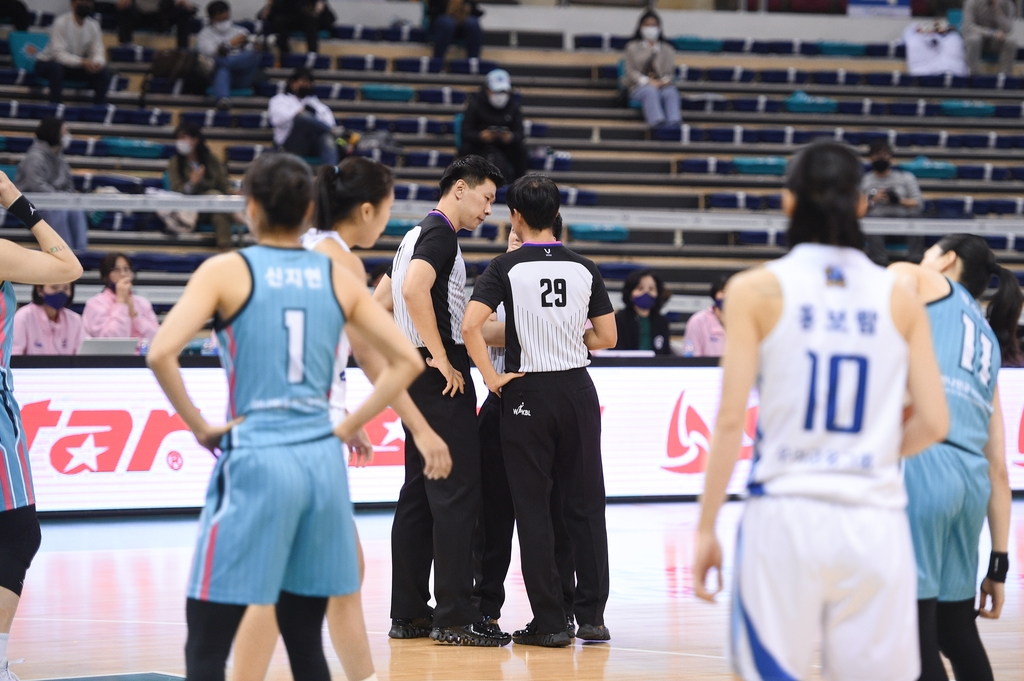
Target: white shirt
pixel 832 377
pixel 339 386
pixel 285 107
pixel 70 44
pixel 209 40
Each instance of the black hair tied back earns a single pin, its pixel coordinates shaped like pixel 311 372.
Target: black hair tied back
pixel 343 188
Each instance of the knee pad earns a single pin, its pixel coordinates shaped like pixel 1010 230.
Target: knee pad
pixel 19 542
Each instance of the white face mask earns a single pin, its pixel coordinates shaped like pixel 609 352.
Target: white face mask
pixel 498 99
pixel 184 147
pixel 65 140
pixel 650 33
pixel 224 26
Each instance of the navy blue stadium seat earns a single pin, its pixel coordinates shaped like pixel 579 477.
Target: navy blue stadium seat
pixel 784 76
pixel 730 75
pixel 403 34
pixel 362 63
pixel 600 42
pixel 342 32
pixel 421 126
pixel 1009 110
pixel 835 78
pixel 131 54
pixel 706 165
pixel 405 192
pixel 418 65
pixel 310 60
pixel 758 105
pixel 428 159
pixel 968 141
pixel 363 123
pixel 208 118
pixel 472 66
pixel 1001 207
pixel 444 95
pixel 388 158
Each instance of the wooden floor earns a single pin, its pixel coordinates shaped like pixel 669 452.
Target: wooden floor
pixel 108 598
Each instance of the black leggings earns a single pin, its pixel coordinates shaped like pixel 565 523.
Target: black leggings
pixel 950 628
pixel 19 542
pixel 212 627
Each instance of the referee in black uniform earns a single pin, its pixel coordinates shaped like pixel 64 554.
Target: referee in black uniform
pixel 434 519
pixel 551 417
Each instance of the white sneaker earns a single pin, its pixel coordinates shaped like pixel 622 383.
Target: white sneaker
pixel 6 674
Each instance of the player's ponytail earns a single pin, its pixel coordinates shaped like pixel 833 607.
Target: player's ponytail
pixel 977 267
pixel 824 178
pixel 341 189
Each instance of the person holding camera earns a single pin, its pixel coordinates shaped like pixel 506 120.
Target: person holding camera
pixel 891 193
pixel 493 126
pixel 230 47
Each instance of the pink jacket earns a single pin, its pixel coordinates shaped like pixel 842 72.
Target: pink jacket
pixel 706 333
pixel 35 334
pixel 104 317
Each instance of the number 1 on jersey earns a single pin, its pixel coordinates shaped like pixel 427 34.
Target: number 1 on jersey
pixel 295 323
pixel 984 372
pixel 835 366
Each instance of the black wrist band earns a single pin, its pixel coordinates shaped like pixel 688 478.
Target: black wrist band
pixel 25 211
pixel 998 566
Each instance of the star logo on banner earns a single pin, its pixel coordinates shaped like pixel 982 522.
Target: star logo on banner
pixel 85 454
pixel 395 431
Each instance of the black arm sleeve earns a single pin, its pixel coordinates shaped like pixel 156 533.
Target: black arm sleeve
pixel 471 123
pixel 600 304
pixel 517 125
pixel 490 287
pixel 438 247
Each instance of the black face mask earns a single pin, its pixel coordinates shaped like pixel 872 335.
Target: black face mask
pixel 303 92
pixel 83 10
pixel 881 165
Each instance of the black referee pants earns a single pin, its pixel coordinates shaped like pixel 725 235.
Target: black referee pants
pixel 551 433
pixel 434 519
pixel 498 519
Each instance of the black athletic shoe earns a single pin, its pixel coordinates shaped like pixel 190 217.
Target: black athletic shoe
pixel 531 637
pixel 570 626
pixel 490 625
pixel 593 632
pixel 417 628
pixel 483 634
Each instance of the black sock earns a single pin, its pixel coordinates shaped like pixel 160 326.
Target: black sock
pixel 301 620
pixel 959 640
pixel 932 668
pixel 211 629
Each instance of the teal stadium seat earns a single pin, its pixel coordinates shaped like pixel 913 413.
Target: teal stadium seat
pixel 595 232
pixel 457 129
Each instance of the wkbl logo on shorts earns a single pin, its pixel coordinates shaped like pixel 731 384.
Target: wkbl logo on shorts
pixel 96 440
pixel 689 438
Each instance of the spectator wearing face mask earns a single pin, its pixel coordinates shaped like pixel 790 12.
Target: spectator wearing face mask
pixel 47 326
pixel 650 73
pixel 75 52
pixel 640 324
pixel 230 47
pixel 44 169
pixel 891 193
pixel 303 125
pixel 195 170
pixel 116 312
pixel 705 335
pixel 493 126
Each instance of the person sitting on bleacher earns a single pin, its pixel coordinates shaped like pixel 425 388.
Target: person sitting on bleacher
pixel 230 46
pixel 156 15
pixel 116 312
pixel 303 125
pixel 650 73
pixel 640 325
pixel 493 126
pixel 194 170
pixel 44 169
pixel 47 326
pixel 451 19
pixel 75 52
pixel 705 335
pixel 16 13
pixel 891 193
pixel 308 16
pixel 987 28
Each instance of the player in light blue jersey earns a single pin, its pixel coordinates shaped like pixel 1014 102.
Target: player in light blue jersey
pixel 824 552
pixel 277 526
pixel 954 484
pixel 53 263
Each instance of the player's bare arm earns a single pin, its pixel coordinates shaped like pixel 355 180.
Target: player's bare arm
pixel 213 288
pixel 476 317
pixel 929 419
pixel 53 263
pixel 437 460
pixel 375 326
pixel 603 334
pixel 382 294
pixel 999 506
pixel 755 305
pixel 419 278
pixel 494 332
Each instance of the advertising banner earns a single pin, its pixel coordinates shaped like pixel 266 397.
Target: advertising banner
pixel 103 439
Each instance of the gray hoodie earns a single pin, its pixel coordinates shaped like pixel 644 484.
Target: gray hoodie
pixel 44 170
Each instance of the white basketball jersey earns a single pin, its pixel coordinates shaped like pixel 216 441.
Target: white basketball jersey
pixel 339 388
pixel 832 378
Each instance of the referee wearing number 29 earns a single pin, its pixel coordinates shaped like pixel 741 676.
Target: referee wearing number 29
pixel 551 417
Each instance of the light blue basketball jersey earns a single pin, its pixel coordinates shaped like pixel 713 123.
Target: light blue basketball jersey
pixel 968 353
pixel 279 349
pixel 15 472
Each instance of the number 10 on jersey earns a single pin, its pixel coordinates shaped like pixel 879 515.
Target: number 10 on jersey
pixel 837 377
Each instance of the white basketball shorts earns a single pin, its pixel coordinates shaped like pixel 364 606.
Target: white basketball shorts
pixel 812 573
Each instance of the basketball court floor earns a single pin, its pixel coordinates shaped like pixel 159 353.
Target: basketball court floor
pixel 106 598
